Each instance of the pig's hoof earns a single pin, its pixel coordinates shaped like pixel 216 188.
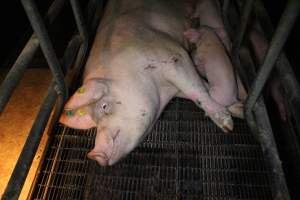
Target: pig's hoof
pixel 237 110
pixel 223 120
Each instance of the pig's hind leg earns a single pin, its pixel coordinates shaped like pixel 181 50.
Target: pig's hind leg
pixel 182 74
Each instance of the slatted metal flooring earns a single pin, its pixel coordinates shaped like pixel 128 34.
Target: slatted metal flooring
pixel 185 157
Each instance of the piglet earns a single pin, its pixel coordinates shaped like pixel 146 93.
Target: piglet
pixel 212 62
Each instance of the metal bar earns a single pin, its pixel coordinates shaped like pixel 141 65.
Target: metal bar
pixel 46 46
pixel 81 26
pixel 79 20
pixel 69 65
pixel 16 72
pixel 283 29
pixel 225 7
pixel 284 69
pixel 22 167
pixel 264 134
pixel 244 20
pixel 262 130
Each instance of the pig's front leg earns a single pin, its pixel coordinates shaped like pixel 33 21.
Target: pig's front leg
pixel 182 74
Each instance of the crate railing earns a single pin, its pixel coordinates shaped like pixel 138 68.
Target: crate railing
pixel 57 93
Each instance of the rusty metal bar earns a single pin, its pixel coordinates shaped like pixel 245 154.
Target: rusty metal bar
pixel 16 72
pixel 283 29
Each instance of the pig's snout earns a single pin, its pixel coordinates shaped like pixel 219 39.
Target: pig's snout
pixel 108 149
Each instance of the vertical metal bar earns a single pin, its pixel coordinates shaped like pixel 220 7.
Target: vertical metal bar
pixel 283 29
pixel 225 7
pixel 262 130
pixel 46 46
pixel 246 12
pixel 264 134
pixel 22 167
pixel 81 26
pixel 79 19
pixel 15 74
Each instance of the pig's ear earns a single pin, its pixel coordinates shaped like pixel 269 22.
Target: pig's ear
pixel 91 91
pixel 192 35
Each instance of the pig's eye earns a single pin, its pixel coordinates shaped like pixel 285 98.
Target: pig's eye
pixel 105 107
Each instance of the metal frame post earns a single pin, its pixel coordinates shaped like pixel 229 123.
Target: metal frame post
pixel 57 92
pixel 283 29
pixel 46 46
pixel 16 72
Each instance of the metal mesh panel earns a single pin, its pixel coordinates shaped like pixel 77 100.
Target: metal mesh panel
pixel 185 157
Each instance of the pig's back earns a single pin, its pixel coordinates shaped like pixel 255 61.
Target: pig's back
pixel 136 27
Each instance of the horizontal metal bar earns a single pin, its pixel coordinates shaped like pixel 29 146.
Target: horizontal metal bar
pixel 46 46
pixel 16 72
pixel 22 167
pixel 283 29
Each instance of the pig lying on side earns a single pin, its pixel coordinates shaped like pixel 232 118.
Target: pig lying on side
pixel 137 64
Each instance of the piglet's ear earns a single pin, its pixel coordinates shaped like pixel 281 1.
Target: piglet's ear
pixel 192 35
pixel 91 91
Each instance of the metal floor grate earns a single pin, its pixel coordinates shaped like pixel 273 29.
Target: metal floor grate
pixel 185 157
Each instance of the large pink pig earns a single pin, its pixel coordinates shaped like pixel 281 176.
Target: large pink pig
pixel 137 64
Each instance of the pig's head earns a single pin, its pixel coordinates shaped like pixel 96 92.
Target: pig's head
pixel 122 117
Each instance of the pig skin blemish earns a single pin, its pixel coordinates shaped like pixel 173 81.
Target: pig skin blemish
pixel 174 59
pixel 150 67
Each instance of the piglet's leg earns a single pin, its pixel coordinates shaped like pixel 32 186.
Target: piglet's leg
pixel 182 74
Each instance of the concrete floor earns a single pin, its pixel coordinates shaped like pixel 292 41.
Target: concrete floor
pixel 15 124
